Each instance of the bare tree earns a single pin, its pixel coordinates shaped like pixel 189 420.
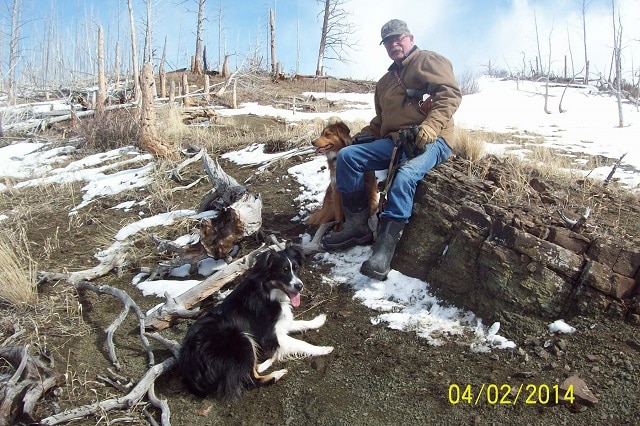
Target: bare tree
pixel 617 48
pixel 274 57
pixel 13 48
pixel 539 69
pixel 134 54
pixel 102 81
pixel 197 62
pixel 584 38
pixel 220 29
pixel 546 92
pixel 336 33
pixel 147 52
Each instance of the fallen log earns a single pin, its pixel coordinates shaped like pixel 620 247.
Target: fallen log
pixel 164 316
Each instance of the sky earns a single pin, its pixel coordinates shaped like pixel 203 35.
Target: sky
pixel 403 303
pixel 473 34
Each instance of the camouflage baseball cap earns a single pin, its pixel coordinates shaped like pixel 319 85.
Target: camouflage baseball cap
pixel 392 28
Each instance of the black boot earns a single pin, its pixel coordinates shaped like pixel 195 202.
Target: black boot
pixel 356 229
pixel 379 265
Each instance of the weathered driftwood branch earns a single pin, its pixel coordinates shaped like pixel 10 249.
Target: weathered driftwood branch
pixel 31 380
pixel 129 304
pixel 121 403
pixel 225 187
pixel 240 212
pixel 116 259
pixel 146 385
pixel 175 173
pixel 613 169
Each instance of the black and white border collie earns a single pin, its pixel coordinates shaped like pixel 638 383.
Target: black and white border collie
pixel 221 351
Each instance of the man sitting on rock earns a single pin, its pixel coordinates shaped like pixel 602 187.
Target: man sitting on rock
pixel 418 92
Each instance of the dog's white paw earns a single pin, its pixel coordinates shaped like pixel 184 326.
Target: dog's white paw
pixel 277 375
pixel 318 321
pixel 324 350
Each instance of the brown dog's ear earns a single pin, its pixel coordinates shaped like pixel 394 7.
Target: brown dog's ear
pixel 344 129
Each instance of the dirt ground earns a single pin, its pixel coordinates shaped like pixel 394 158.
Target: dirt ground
pixel 375 376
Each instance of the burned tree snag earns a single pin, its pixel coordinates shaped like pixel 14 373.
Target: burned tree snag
pixel 149 140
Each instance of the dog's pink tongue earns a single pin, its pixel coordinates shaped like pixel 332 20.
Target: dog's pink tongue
pixel 295 299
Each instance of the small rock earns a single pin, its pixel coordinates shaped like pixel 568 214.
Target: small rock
pixel 562 345
pixel 581 391
pixel 541 353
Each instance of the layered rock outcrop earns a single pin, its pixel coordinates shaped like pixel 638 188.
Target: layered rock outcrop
pixel 493 245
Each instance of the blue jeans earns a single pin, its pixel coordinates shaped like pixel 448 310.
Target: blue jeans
pixel 354 160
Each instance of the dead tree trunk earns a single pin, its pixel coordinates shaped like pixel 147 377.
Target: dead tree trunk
pixel 617 48
pixel 584 38
pixel 207 88
pixel 149 140
pixel 186 100
pixel 102 81
pixel 161 74
pixel 13 48
pixel 116 68
pixel 226 71
pixel 197 61
pixel 272 27
pixel 323 38
pixel 134 55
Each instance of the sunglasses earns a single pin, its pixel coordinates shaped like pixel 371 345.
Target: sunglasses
pixel 389 41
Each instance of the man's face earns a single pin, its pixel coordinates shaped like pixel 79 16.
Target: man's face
pixel 398 46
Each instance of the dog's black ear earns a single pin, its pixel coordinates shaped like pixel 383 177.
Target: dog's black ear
pixel 264 261
pixel 295 252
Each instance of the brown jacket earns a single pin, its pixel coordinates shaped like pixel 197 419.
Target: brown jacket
pixel 424 71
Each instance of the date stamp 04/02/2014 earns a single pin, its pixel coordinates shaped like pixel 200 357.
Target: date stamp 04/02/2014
pixel 505 394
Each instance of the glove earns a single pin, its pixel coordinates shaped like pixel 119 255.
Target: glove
pixel 425 136
pixel 362 138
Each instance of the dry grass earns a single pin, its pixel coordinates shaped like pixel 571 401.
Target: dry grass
pixel 113 129
pixel 18 285
pixel 471 145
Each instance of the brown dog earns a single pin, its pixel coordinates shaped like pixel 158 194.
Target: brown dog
pixel 333 138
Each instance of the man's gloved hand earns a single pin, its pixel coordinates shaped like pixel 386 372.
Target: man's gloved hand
pixel 362 138
pixel 425 136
